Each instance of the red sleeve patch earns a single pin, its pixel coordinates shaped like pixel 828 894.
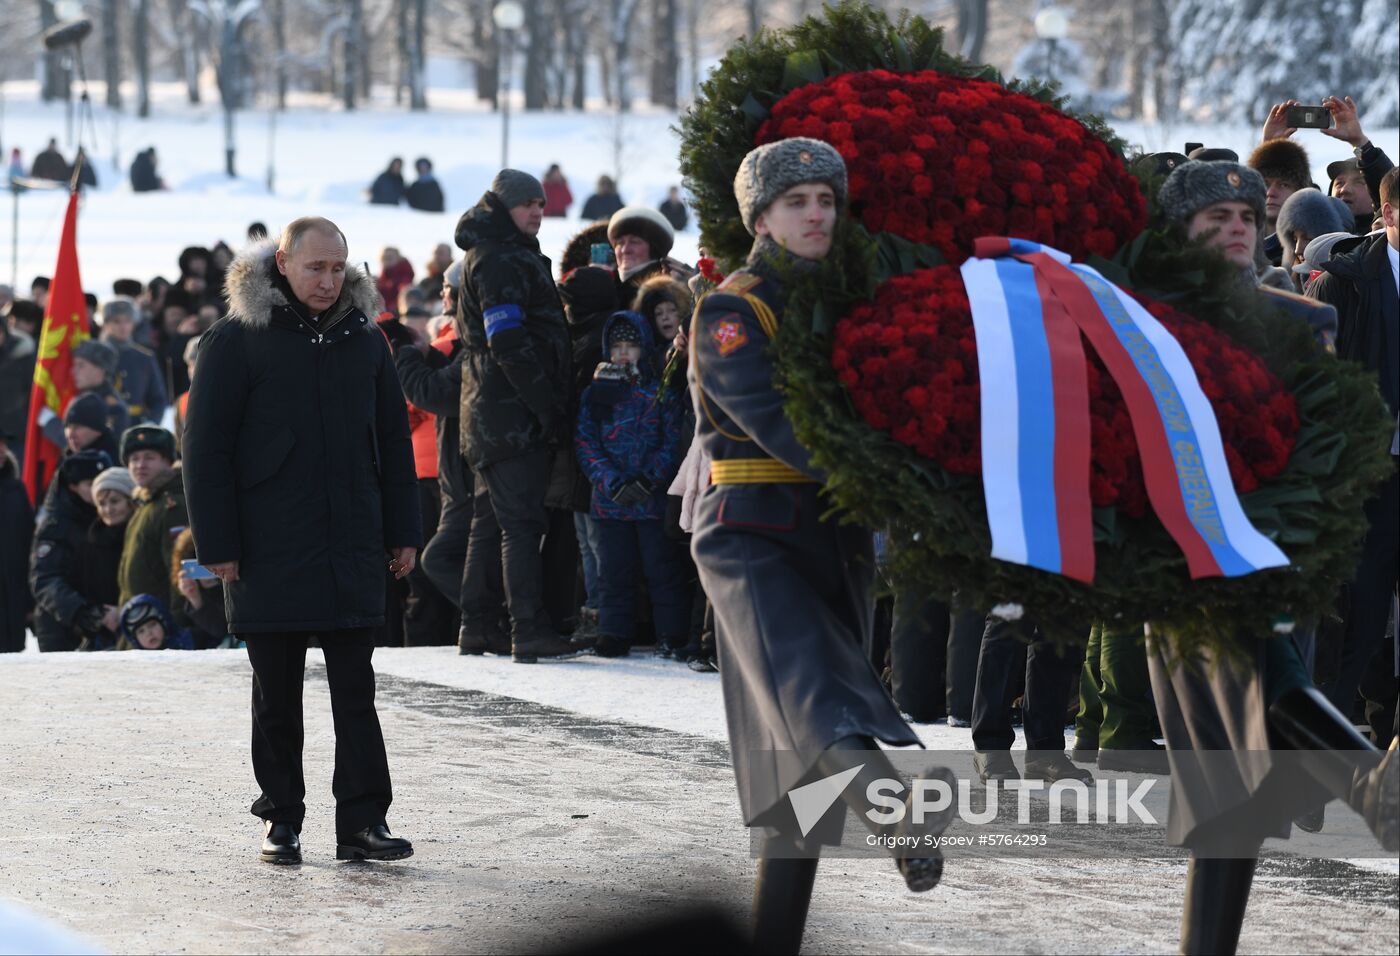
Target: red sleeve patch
pixel 729 335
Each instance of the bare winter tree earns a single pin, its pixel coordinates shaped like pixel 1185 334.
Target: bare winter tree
pixel 665 64
pixel 276 15
pixel 227 20
pixel 539 50
pixel 111 54
pixel 141 54
pixel 354 40
pixel 574 21
pixel 56 74
pixel 622 13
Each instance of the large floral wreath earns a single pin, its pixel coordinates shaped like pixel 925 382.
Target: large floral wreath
pixel 877 357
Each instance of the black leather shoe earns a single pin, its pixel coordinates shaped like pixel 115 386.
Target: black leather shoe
pixel 607 646
pixel 280 843
pixel 373 843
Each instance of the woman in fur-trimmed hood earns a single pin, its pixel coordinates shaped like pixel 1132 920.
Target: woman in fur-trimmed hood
pixel 297 459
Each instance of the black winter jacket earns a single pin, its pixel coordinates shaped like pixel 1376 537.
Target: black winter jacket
pixel 17 356
pixel 17 518
pixel 56 569
pixel 1360 285
pixel 515 374
pixel 297 458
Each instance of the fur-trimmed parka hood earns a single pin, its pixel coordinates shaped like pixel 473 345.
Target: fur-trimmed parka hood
pixel 579 250
pixel 253 289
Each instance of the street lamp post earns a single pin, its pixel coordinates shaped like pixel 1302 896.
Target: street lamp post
pixel 1052 26
pixel 509 16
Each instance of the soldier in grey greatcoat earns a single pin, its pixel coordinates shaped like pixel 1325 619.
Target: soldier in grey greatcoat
pixel 791 590
pixel 1228 718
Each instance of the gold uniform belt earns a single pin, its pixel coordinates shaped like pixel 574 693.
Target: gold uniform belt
pixel 756 471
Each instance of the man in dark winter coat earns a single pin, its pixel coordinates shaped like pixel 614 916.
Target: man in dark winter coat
pixel 299 476
pixel 65 615
pixel 50 164
pixel 425 193
pixel 1285 168
pixel 1362 284
pixel 17 355
pixel 602 203
pixel 17 518
pixel 515 390
pixel 673 208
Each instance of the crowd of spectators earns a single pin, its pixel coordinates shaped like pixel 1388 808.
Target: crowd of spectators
pixel 108 563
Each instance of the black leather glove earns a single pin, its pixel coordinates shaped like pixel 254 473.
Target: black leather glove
pixel 398 334
pixel 632 493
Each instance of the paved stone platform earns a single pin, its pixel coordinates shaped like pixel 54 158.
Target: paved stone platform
pixel 126 780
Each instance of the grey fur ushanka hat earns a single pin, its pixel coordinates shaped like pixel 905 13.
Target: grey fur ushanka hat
pixel 1195 185
pixel 772 169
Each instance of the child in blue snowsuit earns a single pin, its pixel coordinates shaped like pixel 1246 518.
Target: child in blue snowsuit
pixel 627 441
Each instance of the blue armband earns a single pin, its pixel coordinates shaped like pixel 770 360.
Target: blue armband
pixel 502 318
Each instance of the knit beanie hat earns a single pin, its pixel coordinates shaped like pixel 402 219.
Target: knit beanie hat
pixel 771 170
pixel 147 437
pixel 87 410
pixel 99 353
pixel 1282 159
pixel 515 188
pixel 114 479
pixel 624 329
pixel 646 224
pixel 1195 185
pixel 84 466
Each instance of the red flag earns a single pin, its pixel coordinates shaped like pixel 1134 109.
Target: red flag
pixel 65 325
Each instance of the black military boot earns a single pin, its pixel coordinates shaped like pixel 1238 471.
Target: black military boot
pixel 473 637
pixel 782 893
pixel 1217 892
pixel 280 843
pixel 1347 765
pixel 921 873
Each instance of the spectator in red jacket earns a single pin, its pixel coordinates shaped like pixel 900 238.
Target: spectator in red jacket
pixel 557 197
pixel 395 272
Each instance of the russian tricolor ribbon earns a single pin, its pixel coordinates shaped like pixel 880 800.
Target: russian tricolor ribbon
pixel 1030 306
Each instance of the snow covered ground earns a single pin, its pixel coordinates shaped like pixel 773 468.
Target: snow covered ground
pixel 325 159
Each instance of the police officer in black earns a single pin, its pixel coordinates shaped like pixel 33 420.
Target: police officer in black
pixel 791 591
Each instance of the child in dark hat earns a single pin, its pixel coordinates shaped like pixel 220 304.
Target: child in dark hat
pixel 627 440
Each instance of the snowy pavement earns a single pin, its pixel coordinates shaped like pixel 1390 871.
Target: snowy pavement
pixel 548 804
